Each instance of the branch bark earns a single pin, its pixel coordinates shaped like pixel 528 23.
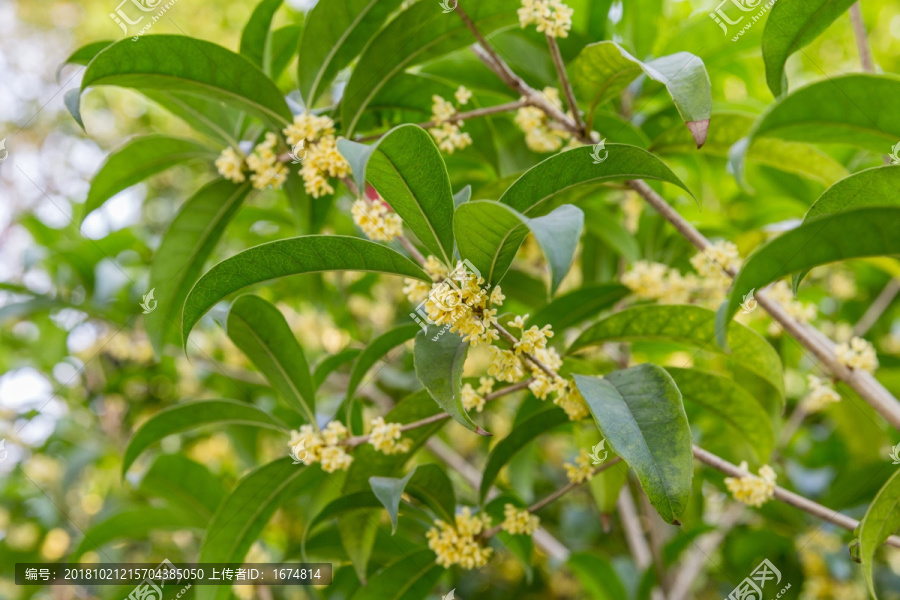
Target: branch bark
pixel 862 38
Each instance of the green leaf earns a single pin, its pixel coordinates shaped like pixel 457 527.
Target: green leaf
pixel 185 247
pixel 439 365
pixel 72 100
pixel 852 233
pixel 293 256
pixel 411 577
pixel 489 234
pixel 692 325
pixel 189 65
pixel 389 490
pixel 407 169
pixel 332 362
pixel 858 110
pixel 793 24
pixel 535 424
pixel 571 309
pixel 261 332
pixel 84 55
pixel 256 39
pixel 432 486
pixel 462 196
pixel 603 70
pixel 214 119
pixel 134 524
pixel 732 405
pixel 531 192
pixel 336 31
pixel 190 415
pixel 640 413
pixel 245 512
pixel 285 41
pixel 418 34
pixel 137 160
pixel 376 349
pixel 597 575
pixel 881 520
pixel 185 484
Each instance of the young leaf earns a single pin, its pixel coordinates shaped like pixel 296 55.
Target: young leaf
pixel 190 415
pixel 640 413
pixel 793 24
pixel 741 413
pixel 185 247
pixel 293 256
pixel 245 512
pixel 410 577
pixel 84 55
pixel 335 33
pixel 137 160
pixel 579 305
pixel 389 490
pixel 489 234
pixel 439 364
pixel 185 484
pixel 407 169
pixel 881 520
pixel 531 192
pixel 692 325
pixel 256 39
pixel 603 70
pixel 261 332
pixel 375 350
pixel 535 424
pixel 418 34
pixel 852 233
pixel 184 64
pixel 857 110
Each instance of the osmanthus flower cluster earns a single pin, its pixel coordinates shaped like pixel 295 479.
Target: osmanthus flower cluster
pixel 315 134
pixel 458 544
pixel 857 354
pixel 580 471
pixel 821 394
pixel 542 134
pixel 750 489
pixel 552 17
pixel 446 132
pixel 328 447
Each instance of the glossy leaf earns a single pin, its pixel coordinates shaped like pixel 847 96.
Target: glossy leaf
pixel 190 415
pixel 293 256
pixel 489 234
pixel 82 56
pixel 691 325
pixel 640 413
pixel 603 70
pixel 407 169
pixel 526 431
pixel 183 64
pixel 852 233
pixel 336 31
pixel 439 364
pixel 261 332
pixel 185 247
pixel 881 520
pixel 532 191
pixel 428 483
pixel 389 491
pixel 376 349
pixel 410 577
pixel 793 24
pixel 418 34
pixel 732 405
pixel 856 110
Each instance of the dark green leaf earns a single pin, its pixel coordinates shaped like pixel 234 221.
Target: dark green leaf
pixel 597 575
pixel 579 305
pixel 640 413
pixel 256 39
pixel 389 490
pixel 881 520
pixel 376 349
pixel 184 483
pixel 411 577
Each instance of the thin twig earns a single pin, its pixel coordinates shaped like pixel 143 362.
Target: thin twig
pixel 862 38
pixel 804 504
pixel 564 81
pixel 699 555
pixel 634 536
pixel 528 356
pixel 877 308
pixel 463 116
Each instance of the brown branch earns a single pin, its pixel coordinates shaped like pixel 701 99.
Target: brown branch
pixel 564 81
pixel 862 38
pixel 804 504
pixel 877 308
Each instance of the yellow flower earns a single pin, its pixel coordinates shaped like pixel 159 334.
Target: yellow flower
pixel 518 521
pixel 335 458
pixel 230 165
pixel 858 354
pixel 533 339
pixel 781 293
pixel 267 171
pixel 463 95
pixel 460 303
pixel 323 447
pixel 580 471
pixel 821 394
pixel 504 365
pixel 750 489
pixel 377 220
pixel 308 127
pixel 385 437
pixel 540 135
pixel 572 402
pixel 457 544
pixel 472 399
pixel 720 256
pixel 551 16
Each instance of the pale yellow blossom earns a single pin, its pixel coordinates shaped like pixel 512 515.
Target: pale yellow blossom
pixel 750 489
pixel 858 354
pixel 230 165
pixel 377 220
pixel 386 437
pixel 580 471
pixel 820 395
pixel 457 544
pixel 551 16
pixel 519 521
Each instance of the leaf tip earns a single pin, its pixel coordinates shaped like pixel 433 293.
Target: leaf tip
pixel 676 522
pixel 481 431
pixel 699 130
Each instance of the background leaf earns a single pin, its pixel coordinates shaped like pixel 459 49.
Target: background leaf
pixel 881 520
